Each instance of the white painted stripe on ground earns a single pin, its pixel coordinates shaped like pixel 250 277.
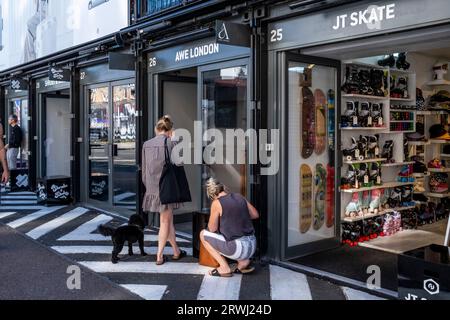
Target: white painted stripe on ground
pixel 6 214
pixel 18 198
pixel 147 292
pixel 288 285
pixel 108 250
pixel 18 202
pixel 23 193
pixel 145 267
pixel 84 232
pixel 352 294
pixel 216 288
pixel 33 216
pixel 56 223
pixel 123 196
pixel 24 207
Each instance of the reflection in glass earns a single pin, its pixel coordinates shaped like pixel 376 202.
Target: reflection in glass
pixel 224 106
pixel 19 107
pixel 124 146
pixel 311 136
pixel 99 126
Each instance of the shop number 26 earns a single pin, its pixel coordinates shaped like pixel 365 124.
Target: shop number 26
pixel 276 35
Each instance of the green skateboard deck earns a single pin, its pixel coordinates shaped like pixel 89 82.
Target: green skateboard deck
pixel 306 186
pixel 320 183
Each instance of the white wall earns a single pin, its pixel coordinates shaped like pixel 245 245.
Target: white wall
pixel 65 23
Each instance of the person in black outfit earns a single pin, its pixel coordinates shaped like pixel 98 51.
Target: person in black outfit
pixel 14 142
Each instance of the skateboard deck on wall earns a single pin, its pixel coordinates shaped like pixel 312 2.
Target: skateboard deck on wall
pixel 320 183
pixel 306 186
pixel 331 170
pixel 308 123
pixel 320 101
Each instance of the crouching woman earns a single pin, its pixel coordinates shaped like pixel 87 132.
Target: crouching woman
pixel 230 233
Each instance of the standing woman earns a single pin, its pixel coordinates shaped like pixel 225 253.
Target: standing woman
pixel 153 159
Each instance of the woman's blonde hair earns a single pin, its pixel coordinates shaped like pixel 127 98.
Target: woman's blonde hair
pixel 214 188
pixel 165 124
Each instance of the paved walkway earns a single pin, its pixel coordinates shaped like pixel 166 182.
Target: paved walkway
pixel 71 232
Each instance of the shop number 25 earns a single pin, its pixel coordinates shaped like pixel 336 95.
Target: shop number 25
pixel 276 35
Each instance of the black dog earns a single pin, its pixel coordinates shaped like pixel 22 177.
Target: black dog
pixel 133 232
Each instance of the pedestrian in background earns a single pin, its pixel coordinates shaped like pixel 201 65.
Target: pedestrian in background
pixel 4 164
pixel 14 141
pixel 230 232
pixel 153 160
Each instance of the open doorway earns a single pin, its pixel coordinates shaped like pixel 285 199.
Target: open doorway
pixel 198 100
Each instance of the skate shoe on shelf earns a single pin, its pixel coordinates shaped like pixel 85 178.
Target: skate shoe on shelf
pixel 375 201
pixel 377 114
pixel 354 152
pixel 401 61
pixel 438 182
pixel 387 61
pixel 364 118
pixel 350 180
pixel 350 116
pixel 388 151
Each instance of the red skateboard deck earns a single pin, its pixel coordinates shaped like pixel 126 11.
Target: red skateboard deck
pixel 308 123
pixel 331 172
pixel 321 121
pixel 306 186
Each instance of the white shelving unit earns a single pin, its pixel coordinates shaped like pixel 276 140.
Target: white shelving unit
pixel 386 185
pixel 365 161
pixel 384 133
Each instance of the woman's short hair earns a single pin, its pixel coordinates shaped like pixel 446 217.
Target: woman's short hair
pixel 165 124
pixel 214 188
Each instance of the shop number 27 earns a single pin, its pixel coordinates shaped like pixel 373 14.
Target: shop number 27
pixel 276 35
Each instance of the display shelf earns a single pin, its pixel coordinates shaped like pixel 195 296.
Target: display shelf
pixel 373 215
pixel 365 65
pixel 406 121
pixel 397 164
pixel 363 128
pixel 445 155
pixel 386 185
pixel 363 96
pixel 394 70
pixel 439 170
pixel 439 141
pixel 430 113
pixel 419 143
pixel 401 99
pixel 365 161
pixel 437 195
pixel 421 175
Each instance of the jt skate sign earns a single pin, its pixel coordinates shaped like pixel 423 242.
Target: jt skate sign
pixel 372 17
pixel 355 20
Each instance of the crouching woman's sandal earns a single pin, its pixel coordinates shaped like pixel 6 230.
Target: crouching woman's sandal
pixel 216 273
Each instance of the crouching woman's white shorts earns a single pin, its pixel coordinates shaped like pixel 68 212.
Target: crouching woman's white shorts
pixel 240 249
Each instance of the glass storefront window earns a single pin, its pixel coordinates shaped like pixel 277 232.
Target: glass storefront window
pixel 311 141
pixel 224 106
pixel 150 7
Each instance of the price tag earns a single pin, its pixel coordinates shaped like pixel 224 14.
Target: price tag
pixel 355 120
pixel 369 121
pixel 366 179
pixel 357 153
pixel 378 180
pixel 380 122
pixel 377 151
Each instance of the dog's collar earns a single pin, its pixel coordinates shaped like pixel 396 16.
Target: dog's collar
pixel 136 225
